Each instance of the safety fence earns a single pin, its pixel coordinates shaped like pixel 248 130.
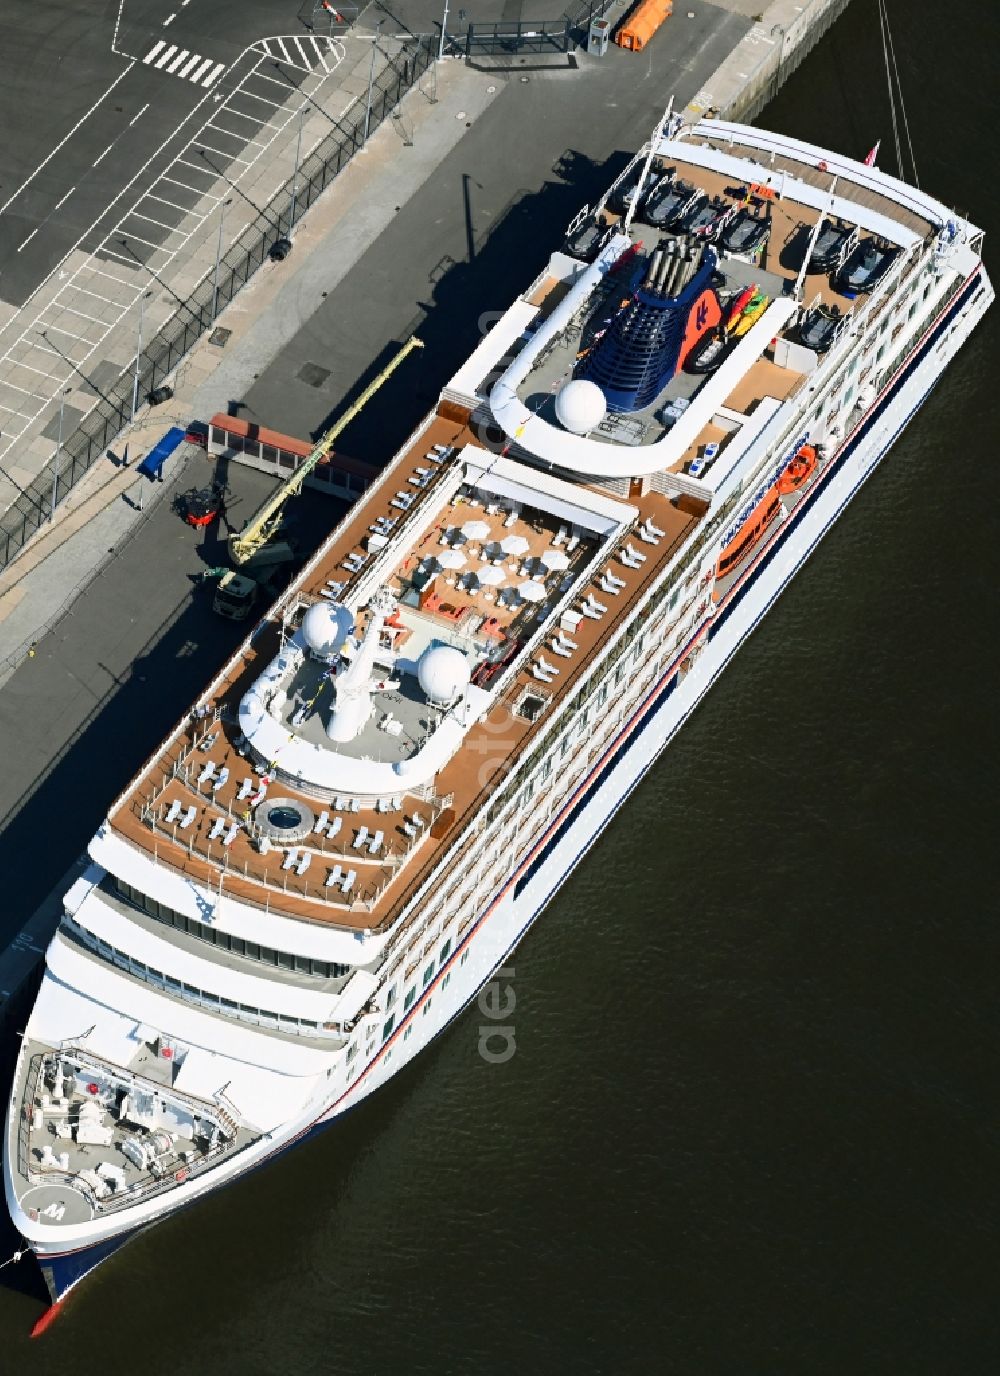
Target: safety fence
pixel 37 502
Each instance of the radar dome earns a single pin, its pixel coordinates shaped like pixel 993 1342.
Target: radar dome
pixel 443 673
pixel 581 406
pixel 325 627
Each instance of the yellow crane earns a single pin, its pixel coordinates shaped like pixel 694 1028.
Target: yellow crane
pixel 266 519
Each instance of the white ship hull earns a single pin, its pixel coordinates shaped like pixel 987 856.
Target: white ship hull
pixel 573 828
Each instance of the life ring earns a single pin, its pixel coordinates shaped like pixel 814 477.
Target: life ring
pixel 93 1088
pixel 182 1174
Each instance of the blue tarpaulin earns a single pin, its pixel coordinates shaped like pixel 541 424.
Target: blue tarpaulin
pixel 152 464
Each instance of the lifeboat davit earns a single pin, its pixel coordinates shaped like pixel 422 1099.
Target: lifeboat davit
pixel 799 471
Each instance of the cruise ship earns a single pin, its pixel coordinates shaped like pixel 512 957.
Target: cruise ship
pixel 378 794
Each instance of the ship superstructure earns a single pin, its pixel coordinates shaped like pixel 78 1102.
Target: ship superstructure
pixel 335 849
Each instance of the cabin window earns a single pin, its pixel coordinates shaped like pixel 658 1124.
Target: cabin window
pixel 445 951
pixel 411 994
pixel 428 973
pixel 387 1026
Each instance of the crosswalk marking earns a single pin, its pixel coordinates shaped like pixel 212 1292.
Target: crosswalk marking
pixel 173 60
pixel 305 53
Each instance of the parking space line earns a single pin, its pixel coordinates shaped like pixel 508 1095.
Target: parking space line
pixel 187 187
pixel 82 314
pixel 231 109
pixel 184 209
pixel 276 104
pixel 85 291
pixel 285 85
pixel 40 371
pixel 14 387
pixel 231 135
pixel 139 215
pixel 229 157
pixel 129 262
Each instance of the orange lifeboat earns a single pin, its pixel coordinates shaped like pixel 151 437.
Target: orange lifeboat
pixel 799 471
pixel 750 533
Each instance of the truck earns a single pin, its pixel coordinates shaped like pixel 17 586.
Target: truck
pixel 237 592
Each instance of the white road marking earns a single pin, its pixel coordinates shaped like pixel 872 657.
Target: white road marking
pixel 166 56
pixel 169 20
pixel 154 50
pixel 160 257
pixel 293 52
pixel 190 65
pixel 29 238
pixel 105 153
pixel 64 199
pixel 140 215
pixel 184 52
pixel 139 115
pixel 199 72
pixel 214 74
pixel 29 180
pixel 152 196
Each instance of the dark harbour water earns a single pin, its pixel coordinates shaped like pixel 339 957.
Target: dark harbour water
pixel 750 1126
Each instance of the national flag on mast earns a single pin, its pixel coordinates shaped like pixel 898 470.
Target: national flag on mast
pixel 330 8
pixel 873 154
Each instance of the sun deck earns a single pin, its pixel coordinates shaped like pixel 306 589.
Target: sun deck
pixel 193 806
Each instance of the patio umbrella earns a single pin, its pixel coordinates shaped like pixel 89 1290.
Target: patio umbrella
pixel 555 559
pixel 476 530
pixel 452 559
pixel 491 574
pixel 454 536
pixel 494 550
pixel 531 592
pixel 514 544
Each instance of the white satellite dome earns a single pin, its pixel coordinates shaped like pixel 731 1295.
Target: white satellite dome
pixel 581 406
pixel 325 627
pixel 443 673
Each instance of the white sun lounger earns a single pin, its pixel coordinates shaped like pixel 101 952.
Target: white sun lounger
pixel 360 839
pixel 333 877
pixel 290 859
pixel 218 826
pixel 321 822
pixel 231 834
pixel 208 772
pixel 173 811
pixel 304 863
pixel 188 818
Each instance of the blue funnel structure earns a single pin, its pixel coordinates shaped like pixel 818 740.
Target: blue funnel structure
pixel 650 338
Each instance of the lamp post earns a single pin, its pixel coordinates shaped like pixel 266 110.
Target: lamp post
pixel 371 78
pixel 138 354
pixel 218 256
pixel 56 456
pixel 295 174
pixel 444 26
